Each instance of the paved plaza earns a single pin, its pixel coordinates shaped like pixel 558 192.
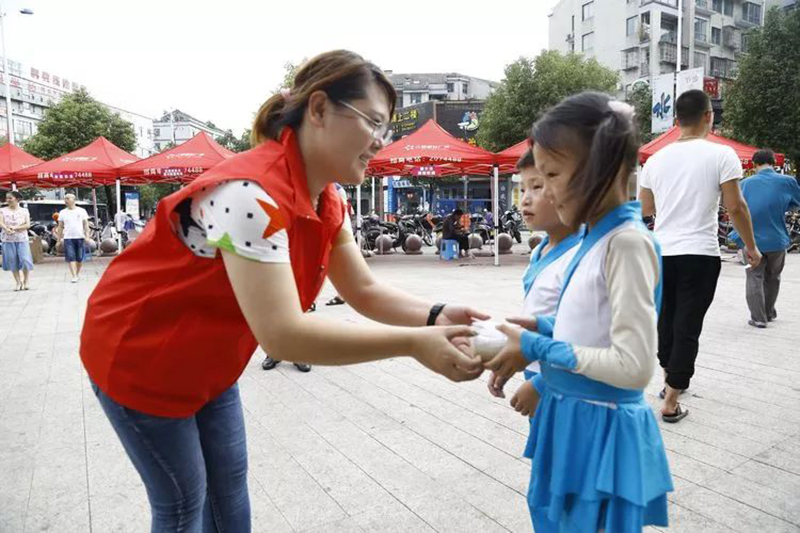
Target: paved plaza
pixel 390 446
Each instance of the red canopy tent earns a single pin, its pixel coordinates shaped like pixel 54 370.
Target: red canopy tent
pixel 431 152
pixel 13 160
pixel 95 164
pixel 744 151
pixel 507 159
pixel 182 163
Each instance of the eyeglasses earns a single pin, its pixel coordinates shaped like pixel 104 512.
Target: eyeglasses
pixel 380 131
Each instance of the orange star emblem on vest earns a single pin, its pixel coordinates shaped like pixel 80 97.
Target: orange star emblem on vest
pixel 275 219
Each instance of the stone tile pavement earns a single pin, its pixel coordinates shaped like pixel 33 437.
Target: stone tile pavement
pixel 389 446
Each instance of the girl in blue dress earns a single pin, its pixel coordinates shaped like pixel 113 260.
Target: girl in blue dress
pixel 598 461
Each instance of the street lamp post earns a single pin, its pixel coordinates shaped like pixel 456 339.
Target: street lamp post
pixel 6 73
pixel 680 35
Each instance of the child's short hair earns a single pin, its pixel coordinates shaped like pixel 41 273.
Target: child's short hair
pixel 526 161
pixel 601 133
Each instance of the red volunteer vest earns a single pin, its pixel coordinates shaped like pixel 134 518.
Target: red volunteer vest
pixel 163 333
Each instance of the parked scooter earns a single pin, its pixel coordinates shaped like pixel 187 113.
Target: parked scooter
pixel 478 226
pixel 511 222
pixel 417 225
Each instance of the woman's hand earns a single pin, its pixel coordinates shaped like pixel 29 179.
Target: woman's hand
pixel 459 314
pixel 510 359
pixel 436 348
pixel 526 399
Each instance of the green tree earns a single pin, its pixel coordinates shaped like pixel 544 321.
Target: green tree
pixel 530 87
pixel 233 143
pixel 77 120
pixel 289 71
pixel 641 98
pixel 150 194
pixel 762 106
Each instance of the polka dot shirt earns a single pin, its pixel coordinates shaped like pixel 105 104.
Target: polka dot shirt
pixel 237 216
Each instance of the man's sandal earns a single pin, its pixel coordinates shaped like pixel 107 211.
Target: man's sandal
pixel 677 416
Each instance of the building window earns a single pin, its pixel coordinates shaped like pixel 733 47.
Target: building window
pixel 588 11
pixel 701 30
pixel 644 27
pixel 716 5
pixel 587 42
pixel 745 42
pixel 751 12
pixel 723 68
pixel 450 87
pixel 728 8
pixel 416 98
pixel 700 61
pixel 630 26
pixel 157 132
pixel 716 35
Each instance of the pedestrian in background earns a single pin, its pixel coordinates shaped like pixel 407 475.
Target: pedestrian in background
pixel 769 195
pixel 14 223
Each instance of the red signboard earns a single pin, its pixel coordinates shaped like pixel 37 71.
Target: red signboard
pixel 711 87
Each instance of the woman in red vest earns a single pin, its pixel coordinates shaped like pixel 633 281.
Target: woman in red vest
pixel 231 262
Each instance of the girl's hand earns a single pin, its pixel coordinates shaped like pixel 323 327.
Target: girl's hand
pixel 528 323
pixel 510 359
pixel 526 399
pixel 434 347
pixel 459 314
pixel 496 384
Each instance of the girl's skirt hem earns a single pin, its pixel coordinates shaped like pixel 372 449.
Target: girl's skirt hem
pixel 596 466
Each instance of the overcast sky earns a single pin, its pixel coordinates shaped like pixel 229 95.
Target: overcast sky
pixel 219 60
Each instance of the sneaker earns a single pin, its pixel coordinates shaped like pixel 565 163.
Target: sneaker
pixel 773 316
pixel 74 280
pixel 302 367
pixel 760 325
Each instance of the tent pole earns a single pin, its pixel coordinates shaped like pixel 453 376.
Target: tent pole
pixel 373 195
pixel 117 218
pixel 94 206
pixel 13 185
pixel 496 213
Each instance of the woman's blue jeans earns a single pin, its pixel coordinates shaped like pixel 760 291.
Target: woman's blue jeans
pixel 194 469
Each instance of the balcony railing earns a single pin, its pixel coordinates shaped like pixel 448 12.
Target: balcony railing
pixel 669 37
pixel 670 3
pixel 644 69
pixel 668 53
pixel 702 6
pixel 630 60
pixel 747 21
pixel 731 37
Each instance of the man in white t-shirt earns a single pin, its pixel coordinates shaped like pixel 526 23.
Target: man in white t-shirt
pixel 73 230
pixel 681 185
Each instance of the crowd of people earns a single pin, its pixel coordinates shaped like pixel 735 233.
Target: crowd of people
pixel 236 259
